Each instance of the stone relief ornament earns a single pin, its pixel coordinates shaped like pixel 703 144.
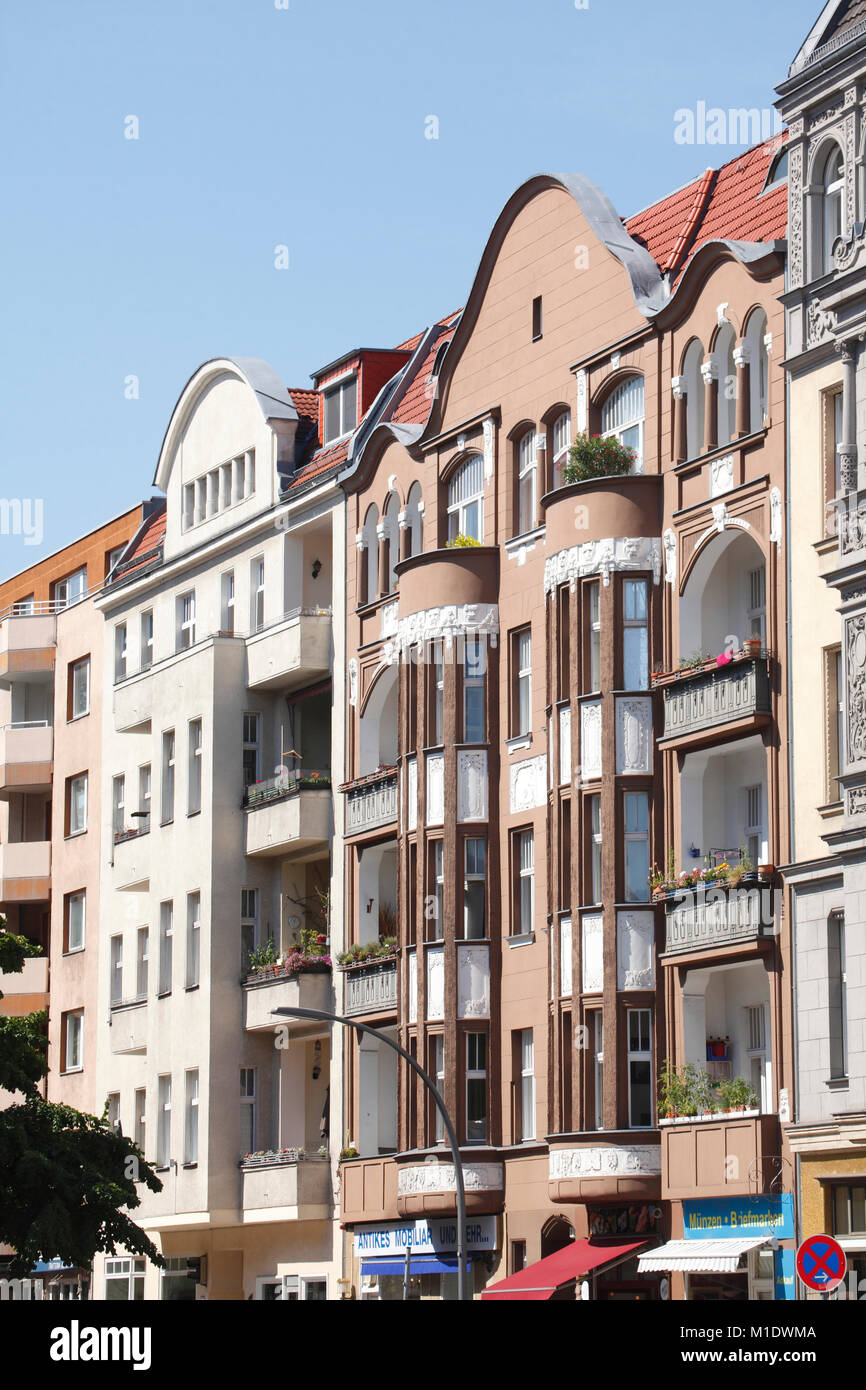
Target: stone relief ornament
pixel 634 1159
pixel 855 665
pixel 856 801
pixel 721 475
pixel 669 542
pixel 603 557
pixel 581 401
pixel 528 784
pixel 776 517
pixel 446 623
pixel 353 682
pixel 819 322
pixel 435 982
pixel 388 617
pixel 590 740
pixel 635 941
pixel 472 785
pixel 435 789
pixel 795 214
pixel 591 953
pixel 488 430
pixel 721 519
pixel 634 735
pixel 440 1177
pixel 412 794
pixel 473 982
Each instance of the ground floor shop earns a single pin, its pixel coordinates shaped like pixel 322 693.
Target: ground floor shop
pixel 730 1250
pixel 833 1202
pixel 417 1260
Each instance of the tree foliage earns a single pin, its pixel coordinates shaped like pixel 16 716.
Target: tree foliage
pixel 67 1179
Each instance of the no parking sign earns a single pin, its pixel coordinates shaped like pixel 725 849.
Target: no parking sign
pixel 821 1263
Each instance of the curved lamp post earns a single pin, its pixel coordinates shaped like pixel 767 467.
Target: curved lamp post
pixel 324 1015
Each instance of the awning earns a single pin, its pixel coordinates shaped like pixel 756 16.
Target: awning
pixel 418 1264
pixel 699 1256
pixel 542 1279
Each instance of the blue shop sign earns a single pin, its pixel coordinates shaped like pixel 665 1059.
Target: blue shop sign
pixel 785 1273
pixel 434 1236
pixel 721 1217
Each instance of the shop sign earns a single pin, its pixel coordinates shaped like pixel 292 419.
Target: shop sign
pixel 437 1235
pixel 638 1218
pixel 785 1273
pixel 721 1217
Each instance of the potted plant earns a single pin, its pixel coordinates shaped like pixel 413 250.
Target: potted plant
pixel 752 646
pixel 735 1093
pixel 766 870
pixel 461 542
pixel 592 456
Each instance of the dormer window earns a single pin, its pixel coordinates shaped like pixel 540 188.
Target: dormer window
pixel 340 409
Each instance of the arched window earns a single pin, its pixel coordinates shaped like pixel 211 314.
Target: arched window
pixel 527 482
pixel 466 500
pixel 413 519
pixel 833 185
pixel 727 384
pixel 622 416
pixel 561 444
pixel 695 398
pixel 759 365
pixel 389 519
pixel 778 171
pixel 369 586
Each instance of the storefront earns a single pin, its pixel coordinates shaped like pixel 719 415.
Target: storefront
pixel 417 1260
pixel 732 1250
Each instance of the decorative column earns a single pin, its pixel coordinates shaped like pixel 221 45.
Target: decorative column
pixel 681 440
pixel 405 534
pixel 710 374
pixel 363 562
pixel 744 398
pixel 846 447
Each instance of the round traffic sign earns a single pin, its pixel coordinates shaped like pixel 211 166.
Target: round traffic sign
pixel 821 1263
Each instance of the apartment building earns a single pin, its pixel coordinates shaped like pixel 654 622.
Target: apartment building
pixel 822 102
pixel 551 686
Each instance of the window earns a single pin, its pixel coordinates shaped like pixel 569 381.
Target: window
pixel 176 1284
pixel 594 662
pixel 759 369
pixel 249 924
pixel 636 835
pixel 141 959
pixel 252 726
pixel 437 1073
pixel 466 500
pixel 474 665
pixel 475 879
pixel 167 806
pixel 727 385
pixel 640 1105
pixel 190 1118
pixel 340 409
pixel 759 1067
pixel 71 589
pixel 166 939
pixel 597 1034
pixel 76 804
pixel 754 829
pixel 695 398
pixel 194 770
pixel 249 467
pixel 527 482
pixel 193 938
pixel 227 602
pixel 757 603
pixel 594 808
pixel 517 1260
pixel 831 413
pixel 73 1040
pixel 116 978
pixel 118 805
pixel 521 682
pixel 213 479
pixel 189 516
pixel 436 931
pixel 257 594
pixel 144 798
pixel 248 1110
pixel 163 1122
pixel 140 1111
pixel 526 1091
pixel 635 647
pixel 837 991
pixel 849 1209
pixel 79 688
pixel 146 639
pixel 476 1087
pixel 523 851
pixel 113 1115
pixel 561 445
pixel 124 1281
pixel 120 652
pixel 622 417
pixel 536 318
pixel 225 485
pixel 563 645
pixel 185 621
pixel 74 912
pixel 833 183
pixel 437 691
pixel 834 720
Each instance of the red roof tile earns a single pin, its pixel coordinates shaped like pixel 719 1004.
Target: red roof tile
pixel 148 545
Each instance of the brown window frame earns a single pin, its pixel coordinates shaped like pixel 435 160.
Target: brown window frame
pixel 70 684
pixel 73 893
pixel 563 642
pixel 514 636
pixel 514 861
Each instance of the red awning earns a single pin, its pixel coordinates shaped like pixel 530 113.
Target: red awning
pixel 541 1280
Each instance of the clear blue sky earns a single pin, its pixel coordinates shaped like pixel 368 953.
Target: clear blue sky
pixel 303 126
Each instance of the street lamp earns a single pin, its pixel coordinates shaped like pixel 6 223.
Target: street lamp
pixel 324 1015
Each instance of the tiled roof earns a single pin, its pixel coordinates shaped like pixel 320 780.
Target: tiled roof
pixel 726 203
pixel 415 405
pixel 147 548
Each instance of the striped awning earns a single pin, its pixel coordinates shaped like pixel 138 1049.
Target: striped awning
pixel 699 1256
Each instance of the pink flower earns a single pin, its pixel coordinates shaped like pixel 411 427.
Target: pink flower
pixel 723 658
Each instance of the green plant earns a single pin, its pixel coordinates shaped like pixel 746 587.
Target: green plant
pixel 736 1093
pixel 593 456
pixel 262 956
pixel 685 1090
pixel 461 542
pixel 672 1091
pixel 693 662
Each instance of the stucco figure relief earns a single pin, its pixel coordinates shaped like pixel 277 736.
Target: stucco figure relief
pixel 605 1158
pixel 528 784
pixel 634 735
pixel 472 785
pixel 440 1177
pixel 473 982
pixel 635 939
pixel 603 557
pixel 855 666
pixel 590 740
pixel 435 788
pixel 591 953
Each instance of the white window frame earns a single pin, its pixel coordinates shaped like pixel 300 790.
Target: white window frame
pixel 474 875
pixel 594 810
pixel 639 1055
pixel 132 1271
pixel 527 482
pixel 474 671
pixel 561 438
pixel 257 593
pixel 249 1097
pixel 437 859
pixel 186 620
pixel 249 919
pixel 71 589
pixel 116 977
pixel 525 864
pixel 622 414
pixel 340 390
pixel 142 959
pixel 118 805
pixel 833 204
pixel 193 939
pixel 74 1041
pixel 190 1117
pixel 756 602
pixel 195 740
pixel 523 681
pixel 80 781
pixel 167 787
pixel 120 652
pixel 145 796
pixel 163 1121
pixel 76 943
pixel 754 828
pixel 634 837
pixel 146 639
pixel 527 1085
pixel 227 602
pixel 598 1066
pixel 758 1053
pixel 140 1117
pixel 166 947
pixel 594 636
pixel 465 491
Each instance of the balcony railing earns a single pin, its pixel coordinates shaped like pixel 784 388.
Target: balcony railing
pixel 371 801
pixel 285 784
pixel 711 696
pixel 133 831
pixel 371 987
pixel 707 917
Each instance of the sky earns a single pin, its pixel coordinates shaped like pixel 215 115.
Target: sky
pixel 157 154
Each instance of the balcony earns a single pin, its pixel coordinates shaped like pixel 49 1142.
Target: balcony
pixel 132 859
pixel 25 871
pixel 444 583
pixel 624 1166
pixel 285 1187
pixel 710 701
pixel 288 814
pixel 368 1190
pixel 264 993
pixel 371 988
pixel 430 1188
pixel 293 652
pixel 27 642
pixel 26 991
pixel 372 801
pixel 26 757
pixel 706 918
pixel 731 1155
pixel 133 703
pixel 129 1026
